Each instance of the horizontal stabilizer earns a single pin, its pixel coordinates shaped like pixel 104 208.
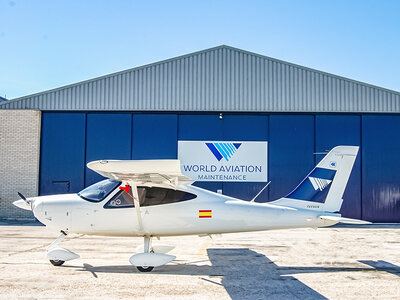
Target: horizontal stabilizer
pixel 344 220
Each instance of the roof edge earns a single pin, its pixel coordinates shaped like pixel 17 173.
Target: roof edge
pixel 2 103
pixel 312 70
pixel 123 71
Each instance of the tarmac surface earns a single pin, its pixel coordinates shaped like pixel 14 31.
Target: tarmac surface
pixel 333 263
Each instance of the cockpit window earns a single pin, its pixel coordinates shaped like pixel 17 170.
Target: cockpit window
pixel 122 199
pixel 149 196
pixel 99 191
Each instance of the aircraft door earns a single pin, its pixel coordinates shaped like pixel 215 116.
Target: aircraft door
pixel 117 215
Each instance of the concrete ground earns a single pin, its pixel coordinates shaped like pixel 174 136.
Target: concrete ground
pixel 334 263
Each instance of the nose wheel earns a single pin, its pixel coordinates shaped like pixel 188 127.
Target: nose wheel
pixel 58 256
pixel 57 262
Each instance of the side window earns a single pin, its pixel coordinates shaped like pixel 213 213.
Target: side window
pixel 178 196
pixel 156 196
pixel 121 200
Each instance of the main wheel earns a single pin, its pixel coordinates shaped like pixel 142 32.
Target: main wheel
pixel 57 262
pixel 145 269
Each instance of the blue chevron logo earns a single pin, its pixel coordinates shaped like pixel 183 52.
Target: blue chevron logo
pixel 223 150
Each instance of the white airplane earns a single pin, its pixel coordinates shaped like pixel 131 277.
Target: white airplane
pixel 151 198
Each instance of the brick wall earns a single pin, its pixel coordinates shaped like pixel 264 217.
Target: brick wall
pixel 19 159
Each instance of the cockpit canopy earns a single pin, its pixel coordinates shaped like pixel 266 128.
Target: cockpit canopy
pixel 148 196
pixel 99 191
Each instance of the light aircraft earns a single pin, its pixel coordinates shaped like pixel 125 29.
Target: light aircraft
pixel 151 198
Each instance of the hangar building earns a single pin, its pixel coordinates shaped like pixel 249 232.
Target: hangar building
pixel 219 94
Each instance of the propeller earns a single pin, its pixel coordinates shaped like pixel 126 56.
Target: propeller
pixel 26 200
pixel 23 197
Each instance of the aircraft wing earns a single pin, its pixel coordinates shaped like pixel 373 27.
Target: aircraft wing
pixel 161 171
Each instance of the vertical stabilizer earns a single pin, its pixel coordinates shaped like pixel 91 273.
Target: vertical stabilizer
pixel 324 186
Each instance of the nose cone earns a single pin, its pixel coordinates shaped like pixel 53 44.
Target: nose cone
pixel 22 204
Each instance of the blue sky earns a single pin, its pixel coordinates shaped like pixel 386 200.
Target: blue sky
pixel 48 44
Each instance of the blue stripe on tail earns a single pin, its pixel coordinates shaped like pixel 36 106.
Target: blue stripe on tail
pixel 315 186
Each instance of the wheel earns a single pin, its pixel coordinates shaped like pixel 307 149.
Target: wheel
pixel 145 269
pixel 57 262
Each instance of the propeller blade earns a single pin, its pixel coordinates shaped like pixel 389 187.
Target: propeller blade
pixel 30 202
pixel 22 197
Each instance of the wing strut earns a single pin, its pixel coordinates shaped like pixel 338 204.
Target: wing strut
pixel 137 205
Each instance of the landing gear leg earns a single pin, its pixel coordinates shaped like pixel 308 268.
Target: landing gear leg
pixel 147 249
pixel 58 256
pixel 61 237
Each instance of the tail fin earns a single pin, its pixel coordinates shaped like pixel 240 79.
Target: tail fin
pixel 323 188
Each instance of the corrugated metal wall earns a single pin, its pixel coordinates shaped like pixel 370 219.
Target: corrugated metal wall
pixel 69 140
pixel 217 79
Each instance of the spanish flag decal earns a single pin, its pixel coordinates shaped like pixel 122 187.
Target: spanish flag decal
pixel 205 213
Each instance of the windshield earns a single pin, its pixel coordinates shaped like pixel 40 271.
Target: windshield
pixel 99 191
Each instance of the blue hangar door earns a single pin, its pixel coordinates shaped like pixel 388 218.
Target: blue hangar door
pixel 108 136
pixel 381 168
pixel 154 136
pixel 70 140
pixel 62 155
pixel 291 148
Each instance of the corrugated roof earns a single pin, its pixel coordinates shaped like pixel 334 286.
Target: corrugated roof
pixel 217 79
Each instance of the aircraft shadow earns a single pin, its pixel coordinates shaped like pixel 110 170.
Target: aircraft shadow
pixel 246 274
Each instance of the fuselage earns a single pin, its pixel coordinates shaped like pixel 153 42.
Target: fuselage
pixel 207 213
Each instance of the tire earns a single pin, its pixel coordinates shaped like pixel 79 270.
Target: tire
pixel 57 262
pixel 145 269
